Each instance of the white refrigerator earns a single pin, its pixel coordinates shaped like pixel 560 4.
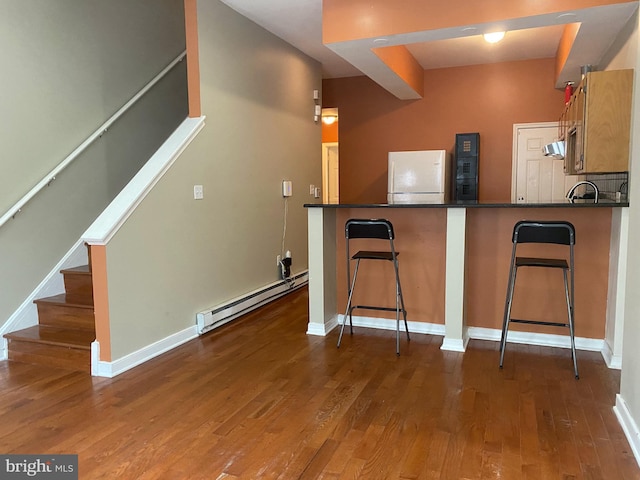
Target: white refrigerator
pixel 419 176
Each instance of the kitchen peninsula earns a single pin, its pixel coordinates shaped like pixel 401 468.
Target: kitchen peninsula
pixel 454 265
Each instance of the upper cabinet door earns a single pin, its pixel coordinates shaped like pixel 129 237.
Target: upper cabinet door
pixel 606 123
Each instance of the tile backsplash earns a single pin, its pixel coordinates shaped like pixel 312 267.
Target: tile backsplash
pixel 610 183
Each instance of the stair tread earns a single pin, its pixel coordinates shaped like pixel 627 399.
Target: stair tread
pixel 64 337
pixel 78 301
pixel 82 269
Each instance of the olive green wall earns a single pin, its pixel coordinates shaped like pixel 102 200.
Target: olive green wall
pixel 176 256
pixel 67 67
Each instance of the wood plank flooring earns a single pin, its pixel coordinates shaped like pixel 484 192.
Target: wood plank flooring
pixel 261 399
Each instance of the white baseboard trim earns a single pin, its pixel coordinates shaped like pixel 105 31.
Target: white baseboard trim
pixel 612 361
pixel 628 425
pixel 53 284
pixel 449 344
pixel 540 339
pixel 322 329
pixel 479 333
pixel 111 369
pixel 390 324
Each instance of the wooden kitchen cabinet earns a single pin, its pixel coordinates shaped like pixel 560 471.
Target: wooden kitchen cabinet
pixel 598 133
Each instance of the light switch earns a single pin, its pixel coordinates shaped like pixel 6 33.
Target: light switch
pixel 198 192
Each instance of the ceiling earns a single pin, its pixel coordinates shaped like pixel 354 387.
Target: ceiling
pixel 528 38
pixel 302 29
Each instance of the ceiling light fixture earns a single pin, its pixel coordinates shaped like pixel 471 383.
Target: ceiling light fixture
pixel 329 119
pixel 493 37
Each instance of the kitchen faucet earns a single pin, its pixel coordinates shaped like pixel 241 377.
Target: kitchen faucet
pixel 572 190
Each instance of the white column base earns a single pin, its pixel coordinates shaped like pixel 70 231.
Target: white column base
pixel 455 344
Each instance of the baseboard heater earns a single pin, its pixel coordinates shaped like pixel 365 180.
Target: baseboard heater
pixel 219 315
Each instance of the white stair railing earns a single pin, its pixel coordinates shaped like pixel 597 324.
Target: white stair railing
pixel 102 129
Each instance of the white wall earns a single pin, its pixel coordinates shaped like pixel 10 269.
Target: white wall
pixel 176 256
pixel 630 380
pixel 625 54
pixel 624 50
pixel 67 66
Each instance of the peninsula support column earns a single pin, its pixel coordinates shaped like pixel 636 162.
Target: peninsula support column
pixel 323 315
pixel 614 325
pixel 455 337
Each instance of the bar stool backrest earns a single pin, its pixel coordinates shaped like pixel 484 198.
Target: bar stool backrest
pixel 376 228
pixel 560 232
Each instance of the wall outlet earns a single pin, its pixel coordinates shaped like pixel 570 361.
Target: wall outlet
pixel 286 265
pixel 198 192
pixel 312 189
pixel 278 260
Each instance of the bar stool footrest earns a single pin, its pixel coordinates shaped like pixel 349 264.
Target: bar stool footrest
pixel 371 307
pixel 539 322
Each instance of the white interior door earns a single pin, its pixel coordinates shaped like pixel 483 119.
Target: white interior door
pixel 330 173
pixel 536 178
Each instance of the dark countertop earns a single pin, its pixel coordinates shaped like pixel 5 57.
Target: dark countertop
pixel 468 205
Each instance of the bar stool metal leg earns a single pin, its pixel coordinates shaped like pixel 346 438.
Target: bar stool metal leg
pixel 507 307
pixel 397 320
pixel 349 309
pixel 399 307
pixel 399 290
pixel 570 321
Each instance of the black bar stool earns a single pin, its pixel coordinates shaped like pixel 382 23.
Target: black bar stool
pixel 379 229
pixel 557 232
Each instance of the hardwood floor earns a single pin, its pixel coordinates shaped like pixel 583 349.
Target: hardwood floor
pixel 261 399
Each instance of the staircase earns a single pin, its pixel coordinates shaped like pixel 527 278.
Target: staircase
pixel 65 330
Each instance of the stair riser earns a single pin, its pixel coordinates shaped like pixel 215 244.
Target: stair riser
pixel 68 317
pixel 66 327
pixel 79 285
pixel 50 355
